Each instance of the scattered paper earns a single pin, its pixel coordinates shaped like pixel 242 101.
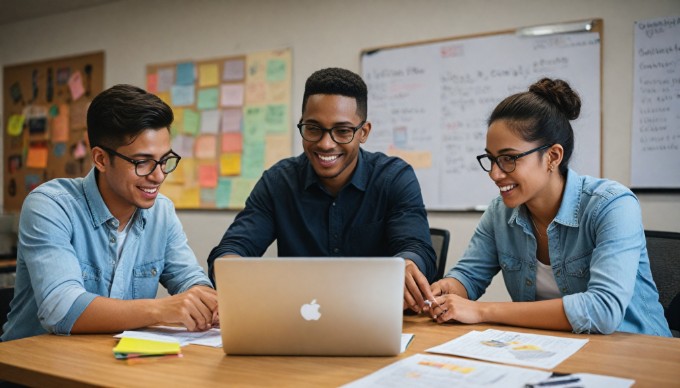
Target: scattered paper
pixel 541 351
pixel 210 337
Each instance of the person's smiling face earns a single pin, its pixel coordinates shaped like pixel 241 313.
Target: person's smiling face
pixel 334 163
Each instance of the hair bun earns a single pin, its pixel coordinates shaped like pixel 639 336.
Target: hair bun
pixel 560 94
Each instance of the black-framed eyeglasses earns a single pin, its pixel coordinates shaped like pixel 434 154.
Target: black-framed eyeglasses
pixel 144 167
pixel 342 134
pixel 506 163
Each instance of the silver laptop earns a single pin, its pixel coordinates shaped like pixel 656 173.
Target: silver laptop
pixel 311 306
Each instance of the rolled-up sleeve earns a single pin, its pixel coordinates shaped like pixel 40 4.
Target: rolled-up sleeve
pixel 45 233
pixel 613 268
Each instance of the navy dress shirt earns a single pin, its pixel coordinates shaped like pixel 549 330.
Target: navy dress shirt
pixel 380 212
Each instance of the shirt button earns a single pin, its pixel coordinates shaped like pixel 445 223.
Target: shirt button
pixel 112 240
pixel 153 271
pixel 113 262
pixel 333 203
pixel 529 282
pixel 336 250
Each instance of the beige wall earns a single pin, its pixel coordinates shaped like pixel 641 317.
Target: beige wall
pixel 332 33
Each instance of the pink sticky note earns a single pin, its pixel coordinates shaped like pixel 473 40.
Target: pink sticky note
pixel 152 83
pixel 75 83
pixel 232 142
pixel 207 176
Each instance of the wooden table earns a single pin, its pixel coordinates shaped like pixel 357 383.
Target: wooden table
pixel 82 360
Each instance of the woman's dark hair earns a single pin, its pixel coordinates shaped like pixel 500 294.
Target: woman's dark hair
pixel 542 115
pixel 119 114
pixel 338 81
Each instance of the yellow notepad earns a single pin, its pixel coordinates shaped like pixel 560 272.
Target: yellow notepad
pixel 146 347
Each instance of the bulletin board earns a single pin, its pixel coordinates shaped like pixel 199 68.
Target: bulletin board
pixel 232 121
pixel 429 102
pixel 45 109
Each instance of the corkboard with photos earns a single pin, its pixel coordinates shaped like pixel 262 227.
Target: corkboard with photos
pixel 45 122
pixel 232 121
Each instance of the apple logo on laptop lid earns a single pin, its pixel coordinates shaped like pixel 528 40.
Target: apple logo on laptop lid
pixel 310 311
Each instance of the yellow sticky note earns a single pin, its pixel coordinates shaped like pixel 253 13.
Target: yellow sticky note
pixel 190 199
pixel 15 125
pixel 208 75
pixel 144 346
pixel 230 163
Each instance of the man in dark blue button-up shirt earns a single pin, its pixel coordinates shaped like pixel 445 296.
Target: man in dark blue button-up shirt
pixel 336 199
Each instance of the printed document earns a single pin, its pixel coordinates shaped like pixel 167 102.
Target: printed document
pixel 540 351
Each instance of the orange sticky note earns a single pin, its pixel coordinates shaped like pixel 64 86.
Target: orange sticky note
pixel 37 156
pixel 152 83
pixel 205 147
pixel 60 123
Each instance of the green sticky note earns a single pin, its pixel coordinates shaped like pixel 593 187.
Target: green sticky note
pixel 276 70
pixel 192 122
pixel 254 126
pixel 252 161
pixel 208 98
pixel 241 188
pixel 223 193
pixel 276 118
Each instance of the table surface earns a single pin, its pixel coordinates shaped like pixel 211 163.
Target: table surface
pixel 82 360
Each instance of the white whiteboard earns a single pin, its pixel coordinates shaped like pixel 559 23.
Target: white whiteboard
pixel 429 104
pixel 655 145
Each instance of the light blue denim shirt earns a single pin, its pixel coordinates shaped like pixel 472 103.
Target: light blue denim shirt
pixel 597 253
pixel 67 256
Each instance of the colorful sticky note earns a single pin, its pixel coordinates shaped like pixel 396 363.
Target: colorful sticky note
pixel 208 196
pixel 240 190
pixel 165 97
pixel 234 70
pixel 59 149
pixel 190 198
pixel 276 70
pixel 232 142
pixel 231 120
pixel 278 92
pixel 178 123
pixel 276 118
pixel 205 147
pixel 252 163
pixel 232 95
pixel 75 84
pixel 223 193
pixel 192 121
pixel 152 83
pixel 186 74
pixel 79 151
pixel 207 175
pixel 182 95
pixel 60 129
pixel 37 156
pixel 183 145
pixel 254 124
pixel 144 346
pixel 166 78
pixel 230 163
pixel 208 98
pixel 15 125
pixel 208 74
pixel 172 190
pixel 210 121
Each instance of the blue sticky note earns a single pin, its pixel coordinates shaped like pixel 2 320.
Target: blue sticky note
pixel 186 74
pixel 59 149
pixel 182 95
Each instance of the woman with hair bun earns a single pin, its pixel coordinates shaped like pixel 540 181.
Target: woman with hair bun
pixel 571 248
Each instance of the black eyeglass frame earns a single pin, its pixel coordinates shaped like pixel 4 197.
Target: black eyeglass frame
pixel 330 131
pixel 512 158
pixel 137 162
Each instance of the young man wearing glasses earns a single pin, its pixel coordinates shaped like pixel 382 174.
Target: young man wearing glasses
pixel 336 199
pixel 92 250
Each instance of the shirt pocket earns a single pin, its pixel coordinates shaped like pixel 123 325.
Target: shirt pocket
pixel 145 279
pixel 578 266
pixel 91 277
pixel 512 273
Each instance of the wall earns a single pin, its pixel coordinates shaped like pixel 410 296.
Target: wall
pixel 332 33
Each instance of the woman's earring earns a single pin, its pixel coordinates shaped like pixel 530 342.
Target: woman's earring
pixel 551 167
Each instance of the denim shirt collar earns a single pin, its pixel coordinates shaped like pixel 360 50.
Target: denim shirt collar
pixel 359 177
pixel 98 210
pixel 568 213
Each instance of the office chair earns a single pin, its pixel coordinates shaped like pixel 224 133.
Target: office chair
pixel 6 295
pixel 664 259
pixel 440 243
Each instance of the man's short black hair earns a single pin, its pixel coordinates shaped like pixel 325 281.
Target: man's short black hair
pixel 343 82
pixel 119 114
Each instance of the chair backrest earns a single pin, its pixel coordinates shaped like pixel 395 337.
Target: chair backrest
pixel 6 295
pixel 664 259
pixel 440 243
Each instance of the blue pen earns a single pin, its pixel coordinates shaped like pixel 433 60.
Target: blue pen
pixel 554 381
